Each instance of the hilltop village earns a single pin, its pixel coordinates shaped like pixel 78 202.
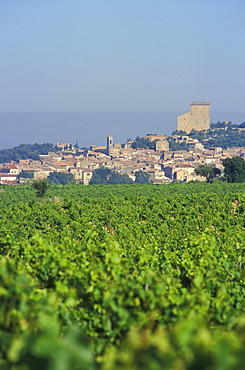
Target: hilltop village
pixel 161 164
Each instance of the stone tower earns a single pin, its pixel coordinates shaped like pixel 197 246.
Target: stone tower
pixel 198 118
pixel 109 144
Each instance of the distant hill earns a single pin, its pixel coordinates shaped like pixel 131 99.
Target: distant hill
pixel 221 134
pixel 24 151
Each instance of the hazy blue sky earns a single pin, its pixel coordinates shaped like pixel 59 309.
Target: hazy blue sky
pixel 121 56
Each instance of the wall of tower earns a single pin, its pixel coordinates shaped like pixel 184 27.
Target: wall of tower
pixel 109 145
pixel 198 118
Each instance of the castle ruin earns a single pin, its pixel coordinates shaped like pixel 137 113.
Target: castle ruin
pixel 198 118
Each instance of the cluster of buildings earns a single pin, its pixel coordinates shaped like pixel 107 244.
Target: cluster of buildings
pixel 162 165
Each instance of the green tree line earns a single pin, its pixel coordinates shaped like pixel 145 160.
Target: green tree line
pixel 24 151
pixel 106 176
pixel 220 134
pixel 234 170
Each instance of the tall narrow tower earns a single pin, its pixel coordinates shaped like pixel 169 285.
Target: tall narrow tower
pixel 109 144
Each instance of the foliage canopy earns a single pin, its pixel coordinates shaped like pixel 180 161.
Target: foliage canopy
pixel 234 169
pixel 106 176
pixel 207 171
pixel 61 178
pixel 140 142
pixel 220 134
pixel 24 151
pixel 26 175
pixel 142 177
pixel 41 187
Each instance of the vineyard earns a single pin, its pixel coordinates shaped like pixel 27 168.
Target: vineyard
pixel 136 277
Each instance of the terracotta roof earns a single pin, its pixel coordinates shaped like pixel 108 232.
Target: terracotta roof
pixel 184 165
pixel 87 170
pixel 11 167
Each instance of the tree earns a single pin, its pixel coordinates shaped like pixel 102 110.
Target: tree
pixel 140 142
pixel 100 176
pixel 61 178
pixel 207 171
pixel 234 169
pixel 107 176
pixel 142 177
pixel 41 187
pixel 180 132
pixel 26 175
pixel 116 178
pixel 175 145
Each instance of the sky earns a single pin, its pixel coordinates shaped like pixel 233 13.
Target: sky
pixel 114 59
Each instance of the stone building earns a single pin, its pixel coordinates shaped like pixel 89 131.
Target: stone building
pixel 198 118
pixel 112 150
pixel 109 145
pixel 161 145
